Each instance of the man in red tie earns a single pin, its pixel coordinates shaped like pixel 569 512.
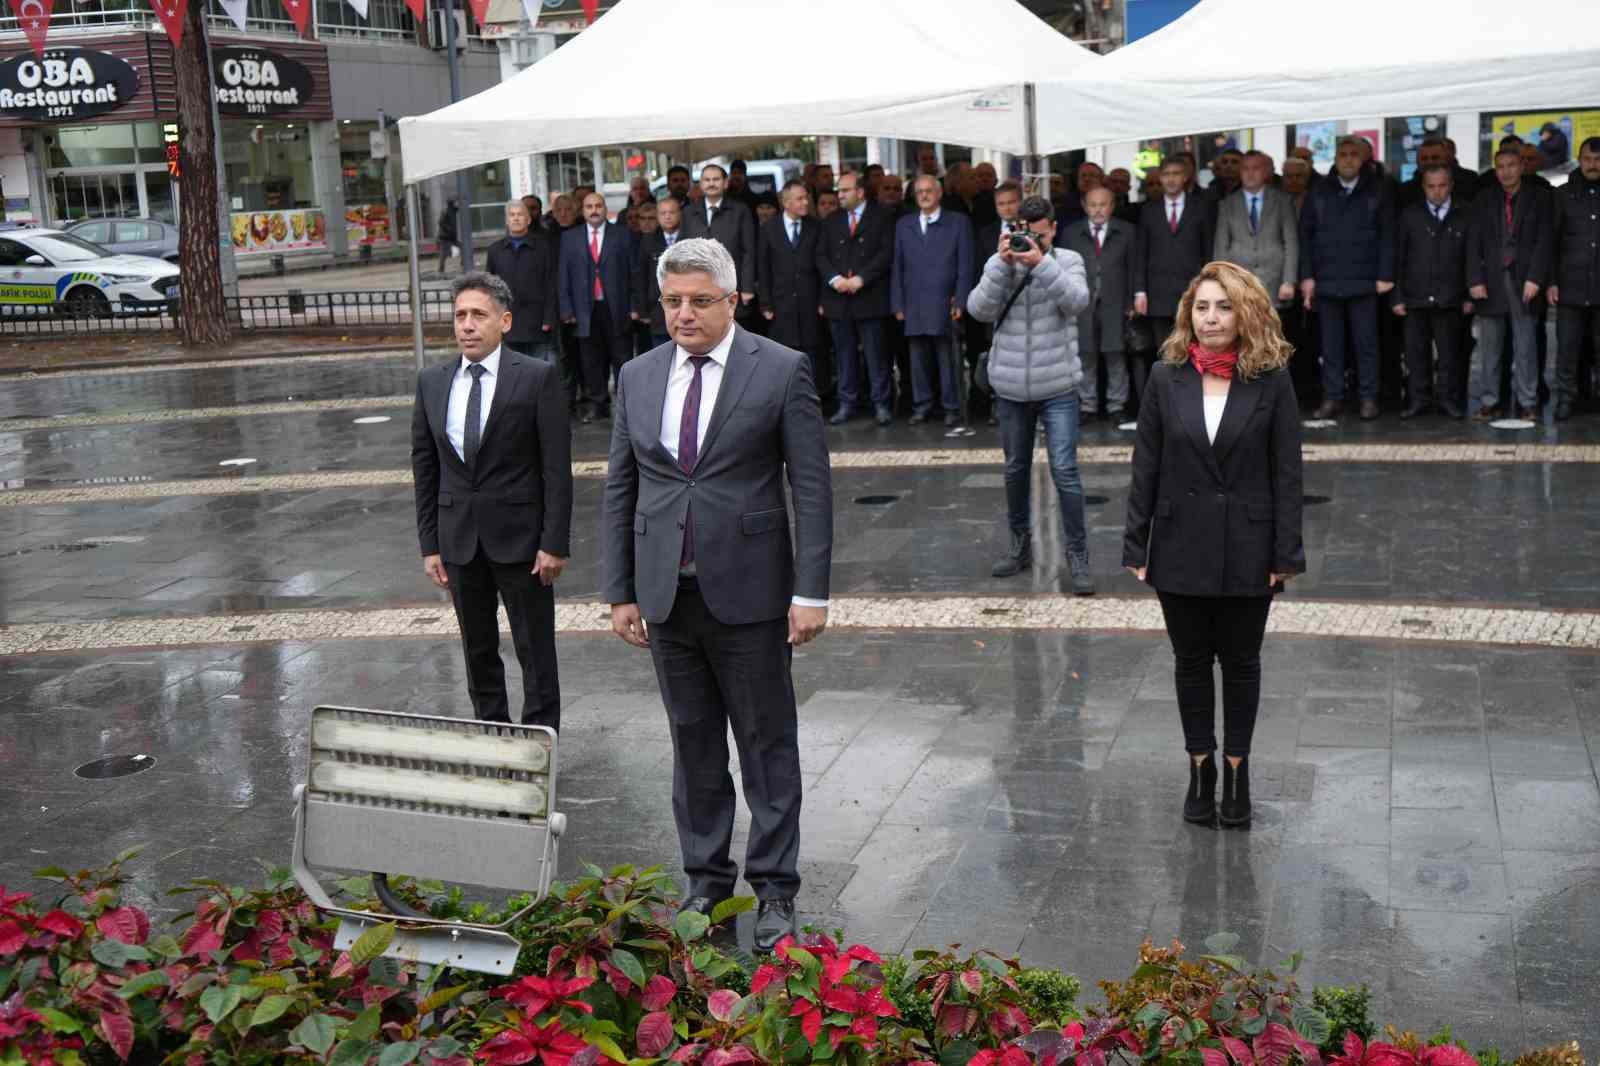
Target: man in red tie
pixel 696 545
pixel 1175 240
pixel 595 293
pixel 1105 243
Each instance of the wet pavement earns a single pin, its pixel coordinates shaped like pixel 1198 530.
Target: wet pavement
pixel 1427 815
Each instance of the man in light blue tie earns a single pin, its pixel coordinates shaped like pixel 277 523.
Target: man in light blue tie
pixel 1257 229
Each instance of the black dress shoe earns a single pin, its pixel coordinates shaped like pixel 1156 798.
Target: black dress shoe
pixel 774 921
pixel 1563 409
pixel 1414 410
pixel 1452 411
pixel 701 904
pixel 884 417
pixel 952 420
pixel 917 420
pixel 841 416
pixel 1200 805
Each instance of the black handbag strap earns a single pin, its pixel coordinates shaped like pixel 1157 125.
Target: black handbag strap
pixel 1006 310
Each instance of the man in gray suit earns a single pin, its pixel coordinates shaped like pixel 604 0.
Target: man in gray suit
pixel 696 545
pixel 1106 247
pixel 1259 229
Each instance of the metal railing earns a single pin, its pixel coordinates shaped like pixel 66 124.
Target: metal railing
pixel 355 309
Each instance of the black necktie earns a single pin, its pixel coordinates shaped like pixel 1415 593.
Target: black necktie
pixel 794 233
pixel 469 436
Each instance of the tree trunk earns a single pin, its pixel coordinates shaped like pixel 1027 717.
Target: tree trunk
pixel 204 321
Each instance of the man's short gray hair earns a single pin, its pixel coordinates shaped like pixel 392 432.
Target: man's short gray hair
pixel 1295 161
pixel 698 255
pixel 480 281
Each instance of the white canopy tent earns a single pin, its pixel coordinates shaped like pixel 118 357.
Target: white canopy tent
pixel 699 78
pixel 1233 63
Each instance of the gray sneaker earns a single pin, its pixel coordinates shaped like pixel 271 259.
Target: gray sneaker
pixel 1082 583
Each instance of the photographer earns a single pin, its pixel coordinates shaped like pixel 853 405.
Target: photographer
pixel 1032 292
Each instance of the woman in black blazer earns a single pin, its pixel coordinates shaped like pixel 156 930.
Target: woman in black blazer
pixel 1214 513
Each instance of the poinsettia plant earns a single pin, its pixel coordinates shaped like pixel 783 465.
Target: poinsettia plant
pixel 834 996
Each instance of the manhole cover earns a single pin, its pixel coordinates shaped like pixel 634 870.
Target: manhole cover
pixel 1127 427
pixel 1512 423
pixel 115 766
pixel 1093 501
pixel 371 420
pixel 1312 501
pixel 236 462
pixel 882 499
pixel 1319 423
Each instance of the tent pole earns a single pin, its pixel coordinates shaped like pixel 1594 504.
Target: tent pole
pixel 1032 166
pixel 413 231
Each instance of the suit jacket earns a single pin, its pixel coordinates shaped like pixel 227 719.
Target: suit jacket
pixel 1430 258
pixel 1165 262
pixel 1532 232
pixel 1577 237
pixel 787 278
pixel 516 499
pixel 1110 274
pixel 1347 241
pixel 646 291
pixel 735 228
pixel 930 270
pixel 766 423
pixel 1215 519
pixel 869 255
pixel 578 272
pixel 1272 252
pixel 531 273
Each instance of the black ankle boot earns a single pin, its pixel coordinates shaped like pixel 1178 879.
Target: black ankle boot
pixel 1017 558
pixel 1200 805
pixel 1236 793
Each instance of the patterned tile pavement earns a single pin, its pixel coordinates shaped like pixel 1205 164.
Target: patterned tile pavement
pixel 200 414
pixel 1410 623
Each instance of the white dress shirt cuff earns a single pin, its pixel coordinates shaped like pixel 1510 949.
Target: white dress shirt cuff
pixel 802 601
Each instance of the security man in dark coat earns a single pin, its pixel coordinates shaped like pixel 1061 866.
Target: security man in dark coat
pixel 1105 244
pixel 1430 264
pixel 787 283
pixel 525 259
pixel 1576 291
pixel 1346 263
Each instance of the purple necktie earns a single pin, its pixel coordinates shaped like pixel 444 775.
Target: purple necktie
pixel 689 451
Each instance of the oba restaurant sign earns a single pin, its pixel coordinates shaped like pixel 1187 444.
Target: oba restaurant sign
pixel 65 83
pixel 254 81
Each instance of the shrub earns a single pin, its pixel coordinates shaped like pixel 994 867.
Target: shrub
pixel 1348 1009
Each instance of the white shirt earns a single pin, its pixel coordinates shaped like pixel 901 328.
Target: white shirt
pixel 1350 186
pixel 710 209
pixel 1214 406
pixel 678 382
pixel 1441 212
pixel 1256 199
pixel 455 415
pixel 670 237
pixel 791 227
pixel 928 220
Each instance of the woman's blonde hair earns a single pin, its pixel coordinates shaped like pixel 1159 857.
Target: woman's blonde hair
pixel 1262 346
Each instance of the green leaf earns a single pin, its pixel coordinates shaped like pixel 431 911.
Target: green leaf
pixel 51 873
pixel 955 1053
pixel 804 958
pixel 1293 961
pixel 607 1046
pixel 166 945
pixel 307 954
pixel 399 1054
pixel 352 1053
pixel 384 973
pixel 218 1001
pixel 1254 1026
pixel 1222 943
pixel 315 1033
pixel 142 983
pixel 690 926
pixel 1147 971
pixel 1232 962
pixel 358 887
pixel 730 907
pixel 115 954
pixel 371 944
pixel 275 981
pixel 702 957
pixel 439 999
pixel 60 1021
pixel 1312 1024
pixel 270 1010
pixel 365 1027
pixel 443 1047
pixel 628 963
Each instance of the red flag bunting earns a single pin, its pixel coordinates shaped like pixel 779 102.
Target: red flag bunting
pixel 34 18
pixel 480 11
pixel 591 10
pixel 300 12
pixel 419 9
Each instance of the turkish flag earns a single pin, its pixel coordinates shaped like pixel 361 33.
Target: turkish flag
pixel 419 10
pixel 34 18
pixel 300 12
pixel 591 10
pixel 172 14
pixel 480 11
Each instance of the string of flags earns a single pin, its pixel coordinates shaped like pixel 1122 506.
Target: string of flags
pixel 33 16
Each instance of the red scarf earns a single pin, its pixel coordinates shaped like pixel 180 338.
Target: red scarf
pixel 1209 362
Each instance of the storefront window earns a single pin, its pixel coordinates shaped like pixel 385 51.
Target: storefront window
pixel 268 165
pixel 91 146
pixel 565 171
pixel 366 205
pixel 78 196
pixel 385 18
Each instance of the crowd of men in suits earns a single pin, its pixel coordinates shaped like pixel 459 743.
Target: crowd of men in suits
pixel 1379 282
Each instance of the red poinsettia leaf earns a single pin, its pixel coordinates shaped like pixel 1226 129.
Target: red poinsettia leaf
pixel 879 1005
pixel 342 966
pixel 572 986
pixel 201 939
pixel 843 999
pixel 972 981
pixel 766 973
pixel 836 1037
pixel 721 1004
pixel 866 1028
pixel 61 923
pixel 1240 1051
pixel 811 1025
pixel 862 953
pixel 118 1032
pixel 835 968
pixel 1384 1055
pixel 1014 1056
pixel 986 1057
pixel 660 989
pixel 127 924
pixel 654 1034
pixel 1213 1056
pixel 736 1054
pixel 510 1048
pixel 269 925
pixel 12 937
pixel 1073 1030
pixel 782 948
pixel 1447 1055
pixel 1354 1049
pixel 687 1053
pixel 281 953
pixel 620 982
pixel 1092 1057
pixel 952 1021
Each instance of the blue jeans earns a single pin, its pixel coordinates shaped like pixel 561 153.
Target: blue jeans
pixel 544 349
pixel 869 331
pixel 1018 427
pixel 1357 318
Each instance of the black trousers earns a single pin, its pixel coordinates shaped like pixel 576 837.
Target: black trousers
pixel 712 676
pixel 1225 629
pixel 1577 328
pixel 476 589
pixel 605 349
pixel 1139 365
pixel 1427 329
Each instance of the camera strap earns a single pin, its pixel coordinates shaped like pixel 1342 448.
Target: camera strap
pixel 1007 309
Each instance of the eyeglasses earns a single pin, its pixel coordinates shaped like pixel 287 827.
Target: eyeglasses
pixel 699 303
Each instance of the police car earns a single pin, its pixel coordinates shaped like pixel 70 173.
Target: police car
pixel 45 270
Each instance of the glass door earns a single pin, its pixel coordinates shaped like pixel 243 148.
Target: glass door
pixel 161 196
